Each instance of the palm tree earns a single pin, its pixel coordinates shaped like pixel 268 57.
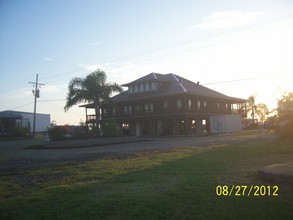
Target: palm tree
pixel 256 110
pixel 93 88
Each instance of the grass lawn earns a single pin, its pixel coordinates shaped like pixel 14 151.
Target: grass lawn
pixel 176 184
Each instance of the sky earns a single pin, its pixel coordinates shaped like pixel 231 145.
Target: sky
pixel 238 48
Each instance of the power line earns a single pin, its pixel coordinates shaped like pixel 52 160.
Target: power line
pixel 22 105
pixel 237 80
pixel 60 108
pixel 202 38
pixel 181 43
pixel 52 100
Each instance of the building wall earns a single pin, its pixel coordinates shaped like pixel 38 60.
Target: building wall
pixel 42 121
pixel 180 114
pixel 220 124
pixel 191 104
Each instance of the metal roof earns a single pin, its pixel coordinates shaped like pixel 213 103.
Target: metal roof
pixel 169 84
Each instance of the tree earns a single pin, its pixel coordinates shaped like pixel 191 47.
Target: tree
pixel 110 127
pixel 285 107
pixel 93 88
pixel 285 116
pixel 256 110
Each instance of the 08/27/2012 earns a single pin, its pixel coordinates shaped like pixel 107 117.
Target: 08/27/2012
pixel 245 190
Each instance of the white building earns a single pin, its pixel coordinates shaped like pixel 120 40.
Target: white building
pixel 24 119
pixel 220 124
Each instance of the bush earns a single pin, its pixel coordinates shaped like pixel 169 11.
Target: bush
pixel 19 131
pixel 286 131
pixel 56 133
pixel 285 115
pixel 252 126
pixel 110 128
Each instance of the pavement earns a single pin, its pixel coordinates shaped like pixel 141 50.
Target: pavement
pixel 40 149
pixel 30 152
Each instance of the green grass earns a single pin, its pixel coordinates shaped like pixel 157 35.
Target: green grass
pixel 177 184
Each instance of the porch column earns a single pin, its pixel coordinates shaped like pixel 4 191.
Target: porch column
pixel 187 125
pixel 159 127
pixel 137 129
pixel 198 123
pixel 175 128
pixel 86 115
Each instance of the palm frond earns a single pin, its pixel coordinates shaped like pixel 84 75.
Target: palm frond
pixel 91 88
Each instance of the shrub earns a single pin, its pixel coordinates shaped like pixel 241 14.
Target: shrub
pixel 285 116
pixel 110 127
pixel 286 131
pixel 56 133
pixel 19 131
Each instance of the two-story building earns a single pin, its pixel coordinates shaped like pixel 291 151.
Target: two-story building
pixel 159 104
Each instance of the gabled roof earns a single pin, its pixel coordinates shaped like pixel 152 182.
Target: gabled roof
pixel 170 84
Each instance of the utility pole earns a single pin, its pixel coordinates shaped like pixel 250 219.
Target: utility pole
pixel 36 93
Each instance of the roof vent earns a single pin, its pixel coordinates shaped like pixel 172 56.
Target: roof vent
pixel 197 82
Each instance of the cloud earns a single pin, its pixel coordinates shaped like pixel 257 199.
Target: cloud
pixel 125 71
pixel 27 91
pixel 228 19
pixel 50 89
pixel 17 93
pixel 97 43
pixel 49 59
pixel 94 66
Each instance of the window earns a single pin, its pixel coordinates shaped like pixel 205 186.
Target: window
pixel 179 104
pixel 153 86
pixel 127 109
pixel 114 111
pixel 141 88
pixel 189 104
pixel 166 105
pixel 205 104
pixel 105 112
pixel 147 87
pixel 136 88
pixel 149 108
pixel 130 89
pixel 146 108
pixel 198 104
pixel 218 104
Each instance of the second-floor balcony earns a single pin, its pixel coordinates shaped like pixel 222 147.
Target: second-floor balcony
pixel 90 118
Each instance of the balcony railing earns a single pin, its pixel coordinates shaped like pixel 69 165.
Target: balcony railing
pixel 90 118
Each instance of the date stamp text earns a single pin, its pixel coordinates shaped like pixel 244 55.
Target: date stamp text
pixel 245 190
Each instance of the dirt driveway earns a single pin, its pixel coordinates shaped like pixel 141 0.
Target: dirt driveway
pixel 19 150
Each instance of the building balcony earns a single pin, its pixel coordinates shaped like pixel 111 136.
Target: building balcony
pixel 90 118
